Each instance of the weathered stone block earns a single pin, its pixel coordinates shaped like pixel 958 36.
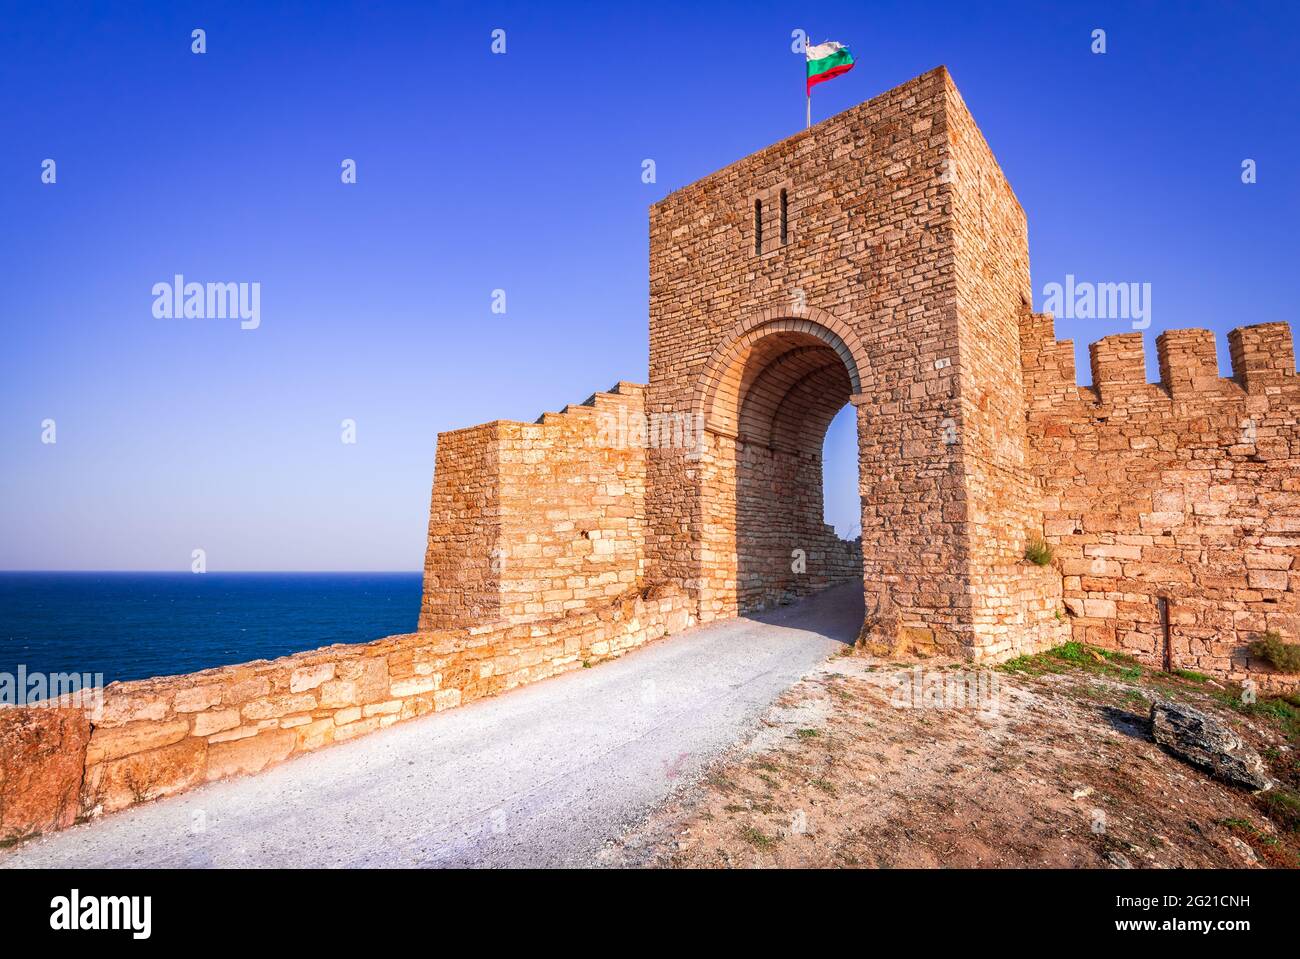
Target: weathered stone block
pixel 42 755
pixel 279 706
pixel 121 708
pixel 1205 742
pixel 117 741
pixel 411 687
pixel 316 734
pixel 309 677
pixel 215 721
pixel 197 698
pixel 154 774
pixel 338 692
pixel 250 755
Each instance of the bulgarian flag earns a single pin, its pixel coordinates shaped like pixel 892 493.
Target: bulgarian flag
pixel 827 60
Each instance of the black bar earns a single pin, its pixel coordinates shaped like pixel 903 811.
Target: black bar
pixel 235 908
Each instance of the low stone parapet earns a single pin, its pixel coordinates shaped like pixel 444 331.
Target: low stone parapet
pixel 158 737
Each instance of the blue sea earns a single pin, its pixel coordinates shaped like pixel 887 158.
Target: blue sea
pixel 136 625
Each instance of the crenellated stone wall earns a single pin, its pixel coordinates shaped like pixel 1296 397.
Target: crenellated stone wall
pixel 1186 491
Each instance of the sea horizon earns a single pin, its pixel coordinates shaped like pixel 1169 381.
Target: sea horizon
pixel 138 624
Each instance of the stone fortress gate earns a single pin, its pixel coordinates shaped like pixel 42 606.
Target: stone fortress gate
pixel 878 259
pixel 881 259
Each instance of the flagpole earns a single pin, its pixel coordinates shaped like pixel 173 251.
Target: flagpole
pixel 807 90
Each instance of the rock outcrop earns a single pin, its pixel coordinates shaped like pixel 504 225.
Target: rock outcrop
pixel 1191 735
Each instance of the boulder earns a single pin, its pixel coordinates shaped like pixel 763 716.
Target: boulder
pixel 1191 735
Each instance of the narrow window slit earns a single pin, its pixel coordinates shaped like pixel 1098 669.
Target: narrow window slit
pixel 784 219
pixel 758 226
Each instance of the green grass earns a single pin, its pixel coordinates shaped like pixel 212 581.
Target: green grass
pixel 1284 657
pixel 1078 656
pixel 1039 552
pixel 824 786
pixel 1073 652
pixel 757 838
pixel 1191 675
pixel 807 733
pixel 1278 708
pixel 1283 807
pixel 1253 832
pixel 1245 825
pixel 1021 664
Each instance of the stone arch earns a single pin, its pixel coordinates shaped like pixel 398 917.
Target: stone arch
pixel 767 395
pixel 776 351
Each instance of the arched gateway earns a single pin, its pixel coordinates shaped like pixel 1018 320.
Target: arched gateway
pixel 765 399
pixel 896 281
pixel 881 259
pixel 884 280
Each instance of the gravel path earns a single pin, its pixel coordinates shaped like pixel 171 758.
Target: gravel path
pixel 542 776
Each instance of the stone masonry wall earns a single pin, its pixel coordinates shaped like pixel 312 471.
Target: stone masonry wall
pixel 530 520
pixel 1016 605
pixel 903 251
pixel 462 576
pixel 868 249
pixel 158 737
pixel 1187 490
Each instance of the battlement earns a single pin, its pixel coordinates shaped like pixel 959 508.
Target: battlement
pixel 1263 362
pixel 1171 504
pixel 1262 355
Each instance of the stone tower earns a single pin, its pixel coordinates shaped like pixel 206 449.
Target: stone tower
pixel 879 259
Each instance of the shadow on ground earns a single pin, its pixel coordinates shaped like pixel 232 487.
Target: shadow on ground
pixel 835 613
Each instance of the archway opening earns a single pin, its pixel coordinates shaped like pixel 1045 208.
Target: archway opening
pixel 841 493
pixel 774 401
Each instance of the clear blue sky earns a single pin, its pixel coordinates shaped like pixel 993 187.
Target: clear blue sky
pixel 518 172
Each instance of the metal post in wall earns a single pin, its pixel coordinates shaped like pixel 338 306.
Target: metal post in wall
pixel 1162 604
